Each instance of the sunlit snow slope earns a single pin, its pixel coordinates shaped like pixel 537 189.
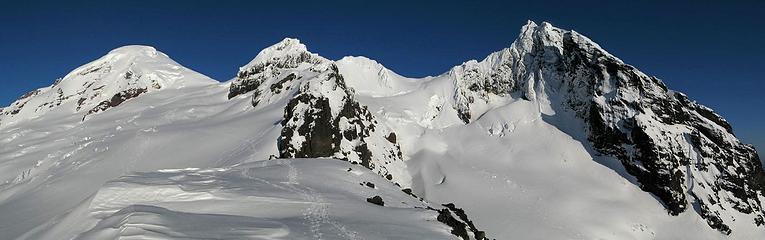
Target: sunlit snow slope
pixel 550 138
pixel 278 199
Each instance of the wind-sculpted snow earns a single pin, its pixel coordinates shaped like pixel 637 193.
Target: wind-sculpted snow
pixel 278 199
pixel 370 78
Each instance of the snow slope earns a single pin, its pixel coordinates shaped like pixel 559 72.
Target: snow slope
pixel 277 199
pixel 550 138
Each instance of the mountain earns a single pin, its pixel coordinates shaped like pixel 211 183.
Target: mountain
pixel 62 172
pixel 107 82
pixel 678 150
pixel 552 138
pixel 322 117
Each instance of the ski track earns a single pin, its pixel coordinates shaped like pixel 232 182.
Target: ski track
pixel 317 213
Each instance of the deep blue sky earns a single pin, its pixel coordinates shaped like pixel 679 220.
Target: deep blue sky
pixel 712 51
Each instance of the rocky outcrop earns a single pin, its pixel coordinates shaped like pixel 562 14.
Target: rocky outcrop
pixel 116 100
pixel 324 120
pixel 461 225
pixel 276 70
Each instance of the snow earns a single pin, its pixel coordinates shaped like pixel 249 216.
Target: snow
pixel 185 161
pixel 370 78
pixel 278 199
pixel 536 179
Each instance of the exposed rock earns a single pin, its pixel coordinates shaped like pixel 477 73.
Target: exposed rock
pixel 377 200
pixel 325 120
pixel 391 137
pixel 274 70
pixel 460 225
pixel 116 100
pixel 461 214
pixel 459 229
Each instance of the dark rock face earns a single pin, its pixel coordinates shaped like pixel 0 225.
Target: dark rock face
pixel 324 120
pixel 322 141
pixel 116 100
pixel 250 79
pixel 680 151
pixel 461 214
pixel 458 227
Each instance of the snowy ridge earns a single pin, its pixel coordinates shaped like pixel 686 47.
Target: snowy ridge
pixel 370 78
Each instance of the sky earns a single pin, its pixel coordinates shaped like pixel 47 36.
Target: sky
pixel 711 50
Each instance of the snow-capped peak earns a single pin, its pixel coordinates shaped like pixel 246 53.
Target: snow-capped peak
pixel 277 64
pixel 137 50
pixel 547 35
pixel 533 34
pixel 121 74
pixel 130 57
pixel 285 49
